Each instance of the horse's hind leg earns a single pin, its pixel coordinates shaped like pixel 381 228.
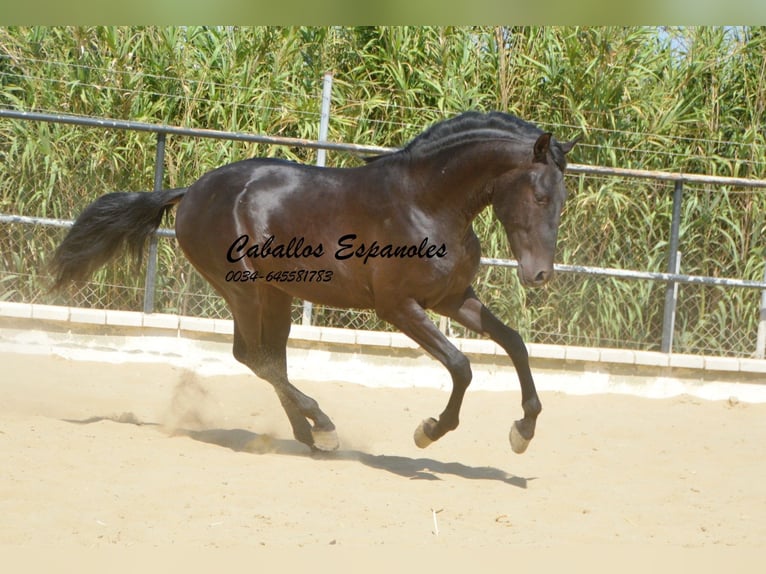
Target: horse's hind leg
pixel 261 363
pixel 261 328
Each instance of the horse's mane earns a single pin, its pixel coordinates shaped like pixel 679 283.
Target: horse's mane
pixel 464 128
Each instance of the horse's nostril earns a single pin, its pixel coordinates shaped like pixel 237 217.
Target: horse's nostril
pixel 542 277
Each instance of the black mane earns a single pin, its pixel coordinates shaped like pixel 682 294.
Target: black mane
pixel 472 125
pixel 466 127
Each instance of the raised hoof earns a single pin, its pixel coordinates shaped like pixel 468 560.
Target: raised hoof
pixel 422 440
pixel 518 443
pixel 326 441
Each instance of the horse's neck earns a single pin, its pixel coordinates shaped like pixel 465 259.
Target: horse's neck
pixel 461 179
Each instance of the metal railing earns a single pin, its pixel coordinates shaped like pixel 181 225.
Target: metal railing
pixel 671 279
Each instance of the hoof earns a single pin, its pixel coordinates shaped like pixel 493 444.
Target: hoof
pixel 518 443
pixel 422 440
pixel 325 441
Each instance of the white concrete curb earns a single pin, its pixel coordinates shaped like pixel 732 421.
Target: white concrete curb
pixel 482 348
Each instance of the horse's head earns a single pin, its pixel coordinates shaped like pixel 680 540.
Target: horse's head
pixel 528 201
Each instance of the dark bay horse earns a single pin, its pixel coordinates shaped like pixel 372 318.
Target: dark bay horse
pixel 394 235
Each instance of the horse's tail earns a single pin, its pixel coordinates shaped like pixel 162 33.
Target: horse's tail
pixel 112 221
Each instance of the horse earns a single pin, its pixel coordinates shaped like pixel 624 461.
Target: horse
pixel 393 235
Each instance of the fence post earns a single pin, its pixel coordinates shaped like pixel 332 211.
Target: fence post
pixel 671 292
pixel 151 263
pixel 324 123
pixel 760 346
pixel 673 307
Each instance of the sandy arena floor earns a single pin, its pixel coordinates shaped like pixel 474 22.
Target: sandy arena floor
pixel 146 455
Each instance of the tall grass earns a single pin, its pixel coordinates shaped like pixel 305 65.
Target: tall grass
pixel 676 99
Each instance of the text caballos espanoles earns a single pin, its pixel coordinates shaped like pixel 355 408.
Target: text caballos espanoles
pixel 347 247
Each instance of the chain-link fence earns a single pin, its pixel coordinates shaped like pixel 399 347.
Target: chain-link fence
pixel 593 301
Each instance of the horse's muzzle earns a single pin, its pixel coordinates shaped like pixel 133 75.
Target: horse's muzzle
pixel 533 279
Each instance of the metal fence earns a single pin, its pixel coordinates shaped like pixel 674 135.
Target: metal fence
pixel 663 307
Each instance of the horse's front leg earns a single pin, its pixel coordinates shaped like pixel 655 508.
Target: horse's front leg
pixel 471 313
pixel 412 320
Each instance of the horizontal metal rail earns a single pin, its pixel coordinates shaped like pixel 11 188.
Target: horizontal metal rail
pixel 163 232
pixel 640 275
pixel 192 132
pixel 561 268
pixel 352 148
pixel 666 176
pixel 36 220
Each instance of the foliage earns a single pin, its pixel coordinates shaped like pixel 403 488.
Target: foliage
pixel 671 99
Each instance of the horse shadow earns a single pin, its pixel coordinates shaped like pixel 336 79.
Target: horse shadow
pixel 241 440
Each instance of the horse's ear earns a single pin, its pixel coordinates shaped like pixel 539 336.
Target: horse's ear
pixel 566 147
pixel 542 145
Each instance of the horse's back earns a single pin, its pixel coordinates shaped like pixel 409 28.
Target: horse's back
pixel 247 173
